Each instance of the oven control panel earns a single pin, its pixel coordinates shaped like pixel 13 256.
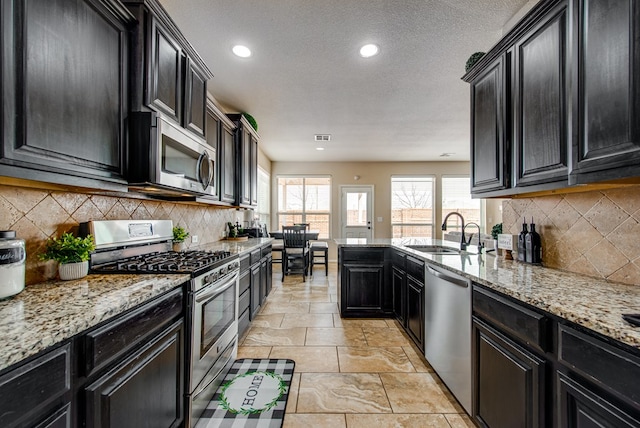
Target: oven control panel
pixel 216 274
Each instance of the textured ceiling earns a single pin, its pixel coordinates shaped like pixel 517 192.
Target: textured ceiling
pixel 305 76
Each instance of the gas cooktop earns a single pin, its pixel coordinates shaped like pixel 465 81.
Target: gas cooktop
pixel 168 262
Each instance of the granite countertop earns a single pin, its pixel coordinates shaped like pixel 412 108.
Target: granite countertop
pixel 592 303
pixel 46 314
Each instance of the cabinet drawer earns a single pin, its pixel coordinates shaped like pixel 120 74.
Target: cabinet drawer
pixel 266 251
pixel 244 301
pixel 33 388
pixel 529 326
pixel 106 343
pixel 364 255
pixel 415 268
pixel 398 259
pixel 598 361
pixel 255 256
pixel 244 281
pixel 245 262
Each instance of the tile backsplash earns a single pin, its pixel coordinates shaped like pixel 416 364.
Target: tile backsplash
pixel 594 233
pixel 37 215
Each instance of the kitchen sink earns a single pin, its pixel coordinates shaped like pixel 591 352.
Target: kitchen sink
pixel 436 249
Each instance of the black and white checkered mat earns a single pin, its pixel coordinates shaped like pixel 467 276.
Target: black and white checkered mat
pixel 253 394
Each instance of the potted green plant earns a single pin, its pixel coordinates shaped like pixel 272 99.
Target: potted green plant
pixel 495 231
pixel 179 235
pixel 72 254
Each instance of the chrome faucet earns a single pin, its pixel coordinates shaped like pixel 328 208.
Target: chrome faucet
pixel 480 244
pixel 463 241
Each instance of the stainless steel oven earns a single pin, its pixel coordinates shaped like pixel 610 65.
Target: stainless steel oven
pixel 213 307
pixel 165 159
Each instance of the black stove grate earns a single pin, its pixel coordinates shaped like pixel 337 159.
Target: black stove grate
pixel 169 262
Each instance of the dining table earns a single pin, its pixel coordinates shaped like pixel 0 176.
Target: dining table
pixel 312 235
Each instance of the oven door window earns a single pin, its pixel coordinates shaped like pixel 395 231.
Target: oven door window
pixel 218 313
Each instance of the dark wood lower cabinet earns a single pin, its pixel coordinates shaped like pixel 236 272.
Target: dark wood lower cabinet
pixel 415 311
pixel 399 284
pixel 61 418
pixel 255 290
pixel 582 407
pixel 362 289
pixel 144 390
pixel 509 381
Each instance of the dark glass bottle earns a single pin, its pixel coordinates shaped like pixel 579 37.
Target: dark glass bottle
pixel 522 245
pixel 533 246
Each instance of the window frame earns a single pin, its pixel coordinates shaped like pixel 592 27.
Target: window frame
pixel 304 213
pixel 482 201
pixel 433 179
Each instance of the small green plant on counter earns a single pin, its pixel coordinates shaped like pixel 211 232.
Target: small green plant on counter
pixel 179 234
pixel 496 230
pixel 68 249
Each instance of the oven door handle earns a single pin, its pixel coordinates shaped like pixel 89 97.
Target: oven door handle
pixel 205 293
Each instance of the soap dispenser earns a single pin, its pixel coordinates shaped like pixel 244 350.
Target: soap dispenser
pixel 533 245
pixel 522 245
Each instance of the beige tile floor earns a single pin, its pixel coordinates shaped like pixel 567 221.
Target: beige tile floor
pixel 349 373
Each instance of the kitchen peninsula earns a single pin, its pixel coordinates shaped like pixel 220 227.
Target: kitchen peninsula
pixel 558 338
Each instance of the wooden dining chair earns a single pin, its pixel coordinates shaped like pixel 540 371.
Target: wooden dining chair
pixel 295 255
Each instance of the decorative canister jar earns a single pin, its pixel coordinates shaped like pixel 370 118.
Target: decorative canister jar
pixel 12 263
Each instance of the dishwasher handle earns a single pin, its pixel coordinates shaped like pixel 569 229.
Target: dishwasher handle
pixel 451 279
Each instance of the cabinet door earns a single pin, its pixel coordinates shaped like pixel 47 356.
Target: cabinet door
pixel 38 391
pixel 65 91
pixel 269 273
pixel 607 90
pixel 255 290
pixel 509 381
pixel 540 89
pixel 164 91
pixel 362 293
pixel 581 406
pixel 195 99
pixel 245 166
pixel 399 294
pixel 213 140
pixel 253 171
pixel 489 151
pixel 144 390
pixel 228 165
pixel 415 311
pixel 263 280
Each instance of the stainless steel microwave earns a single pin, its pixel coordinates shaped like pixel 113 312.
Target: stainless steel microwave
pixel 167 160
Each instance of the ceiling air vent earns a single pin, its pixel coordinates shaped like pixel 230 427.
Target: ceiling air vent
pixel 322 137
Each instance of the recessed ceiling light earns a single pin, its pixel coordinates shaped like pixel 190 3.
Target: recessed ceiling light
pixel 241 51
pixel 369 50
pixel 320 149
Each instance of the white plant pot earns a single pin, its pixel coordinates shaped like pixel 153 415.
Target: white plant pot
pixel 69 271
pixel 178 246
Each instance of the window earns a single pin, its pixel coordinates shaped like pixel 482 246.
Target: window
pixel 412 207
pixel 305 200
pixel 456 196
pixel 263 210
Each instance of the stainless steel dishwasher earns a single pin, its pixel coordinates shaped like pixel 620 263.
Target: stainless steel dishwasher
pixel 447 333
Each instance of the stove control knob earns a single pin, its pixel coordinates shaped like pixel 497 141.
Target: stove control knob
pixel 223 270
pixel 236 265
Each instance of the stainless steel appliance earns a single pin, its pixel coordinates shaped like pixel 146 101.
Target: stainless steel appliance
pixel 447 333
pixel 164 159
pixel 144 246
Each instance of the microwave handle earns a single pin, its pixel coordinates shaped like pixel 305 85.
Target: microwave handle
pixel 205 181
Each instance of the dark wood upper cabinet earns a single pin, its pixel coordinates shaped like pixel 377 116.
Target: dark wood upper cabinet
pixel 65 91
pixel 489 151
pixel 228 180
pixel 247 143
pixel 569 116
pixel 164 84
pixel 607 90
pixel 168 75
pixel 195 98
pixel 540 80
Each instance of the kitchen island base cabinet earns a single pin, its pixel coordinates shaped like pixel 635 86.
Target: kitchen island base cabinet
pixel 364 290
pixel 509 381
pixel 144 390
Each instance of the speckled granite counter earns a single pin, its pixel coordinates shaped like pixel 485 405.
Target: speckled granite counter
pixel 591 303
pixel 49 313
